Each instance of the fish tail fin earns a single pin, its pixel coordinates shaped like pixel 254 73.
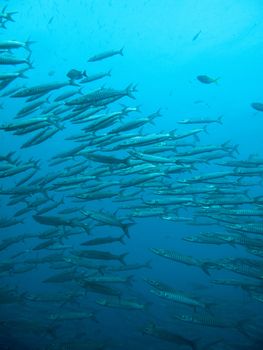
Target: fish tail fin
pixel 51 330
pixel 194 344
pixel 93 317
pixel 9 16
pixel 147 305
pixel 29 62
pixel 149 329
pixel 148 264
pixel 246 193
pixel 122 257
pixel 205 130
pixel 121 239
pixel 235 149
pixel 196 137
pixel 157 113
pixel 85 73
pixel 129 91
pixel 205 268
pixel 102 269
pixel 138 109
pixel 129 280
pixel 2 24
pixel 9 156
pixel 109 72
pixel 125 228
pixel 37 164
pixel 121 51
pixel 219 119
pixel 23 298
pixel 241 328
pixel 86 228
pixel 73 83
pixel 30 65
pixel 208 307
pixel 231 154
pixel 151 121
pixel 213 343
pixel 28 43
pixel 166 173
pixel 22 73
pixel 172 133
pixel 80 91
pixel 216 80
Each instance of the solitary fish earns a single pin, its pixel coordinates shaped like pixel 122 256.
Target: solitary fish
pixel 75 74
pixel 205 79
pixel 196 35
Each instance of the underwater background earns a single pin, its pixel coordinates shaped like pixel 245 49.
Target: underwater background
pixel 134 127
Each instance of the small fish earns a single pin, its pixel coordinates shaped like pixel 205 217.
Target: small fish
pixel 50 20
pixel 205 79
pixel 196 35
pixel 75 74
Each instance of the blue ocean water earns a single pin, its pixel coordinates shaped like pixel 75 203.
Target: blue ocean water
pixel 166 46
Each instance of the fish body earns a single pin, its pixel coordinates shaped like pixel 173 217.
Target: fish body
pixel 205 320
pixel 99 288
pixel 14 44
pixel 105 54
pixel 178 298
pixel 202 120
pixel 121 303
pixel 104 240
pixel 205 79
pixel 258 106
pixel 184 259
pixel 171 337
pixel 11 60
pixel 196 35
pixel 107 219
pixel 92 77
pixel 66 95
pixel 52 220
pixel 13 75
pixel 69 316
pixel 102 95
pixel 62 277
pixel 108 279
pixel 100 255
pixel 40 89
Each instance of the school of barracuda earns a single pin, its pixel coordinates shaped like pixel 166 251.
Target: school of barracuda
pixel 145 175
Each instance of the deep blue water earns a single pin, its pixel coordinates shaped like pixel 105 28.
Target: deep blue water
pixel 162 58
